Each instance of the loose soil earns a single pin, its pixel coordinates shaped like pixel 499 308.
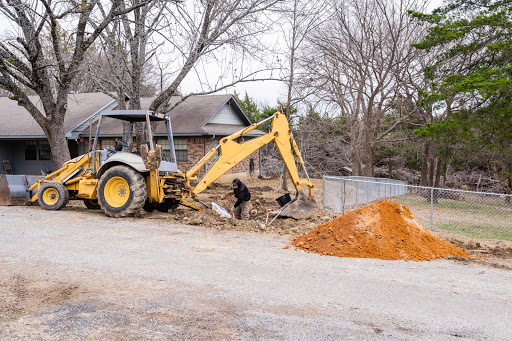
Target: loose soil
pixel 384 230
pixel 264 192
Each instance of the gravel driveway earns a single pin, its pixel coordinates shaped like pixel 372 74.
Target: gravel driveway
pixel 74 275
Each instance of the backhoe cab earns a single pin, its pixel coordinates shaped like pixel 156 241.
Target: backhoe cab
pixel 122 181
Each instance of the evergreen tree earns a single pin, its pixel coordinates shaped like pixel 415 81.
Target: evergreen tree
pixel 472 77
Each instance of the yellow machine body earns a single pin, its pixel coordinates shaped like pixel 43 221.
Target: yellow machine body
pixel 79 179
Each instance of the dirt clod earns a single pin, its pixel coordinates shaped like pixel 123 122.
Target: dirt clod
pixel 384 230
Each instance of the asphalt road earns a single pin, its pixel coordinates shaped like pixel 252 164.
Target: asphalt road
pixel 84 276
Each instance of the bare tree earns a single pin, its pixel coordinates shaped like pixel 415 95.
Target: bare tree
pixel 301 18
pixel 360 56
pixel 128 45
pixel 25 64
pixel 203 29
pixel 179 36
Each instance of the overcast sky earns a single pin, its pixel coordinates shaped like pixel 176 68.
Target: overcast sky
pixel 264 92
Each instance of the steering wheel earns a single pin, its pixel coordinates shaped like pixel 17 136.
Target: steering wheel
pixel 121 142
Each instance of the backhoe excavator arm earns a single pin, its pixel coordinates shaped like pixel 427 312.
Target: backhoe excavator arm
pixel 232 153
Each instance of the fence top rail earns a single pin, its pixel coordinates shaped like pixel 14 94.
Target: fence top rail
pixel 345 179
pixel 386 180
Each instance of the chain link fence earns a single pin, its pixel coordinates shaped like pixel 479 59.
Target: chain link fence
pixel 474 214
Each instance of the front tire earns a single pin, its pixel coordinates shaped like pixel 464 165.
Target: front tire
pixel 121 191
pixel 53 196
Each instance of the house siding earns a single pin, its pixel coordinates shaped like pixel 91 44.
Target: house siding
pixel 226 115
pixel 14 151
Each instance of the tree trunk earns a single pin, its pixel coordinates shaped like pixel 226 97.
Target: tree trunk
pixel 439 171
pixel 58 144
pixel 369 139
pixel 355 157
pixel 432 165
pixel 140 134
pixel 424 165
pixel 355 160
pixel 368 160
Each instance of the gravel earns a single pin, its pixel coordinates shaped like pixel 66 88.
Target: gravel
pixel 137 278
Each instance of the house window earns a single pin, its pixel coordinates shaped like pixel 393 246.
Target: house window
pixel 216 142
pixel 107 143
pixel 44 151
pixel 180 145
pixel 166 150
pixel 37 150
pixel 30 150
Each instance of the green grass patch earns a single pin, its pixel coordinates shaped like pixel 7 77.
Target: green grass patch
pixel 479 220
pixel 492 232
pixel 467 208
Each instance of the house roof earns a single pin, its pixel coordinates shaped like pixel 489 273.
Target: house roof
pixel 195 116
pixel 16 122
pixel 192 117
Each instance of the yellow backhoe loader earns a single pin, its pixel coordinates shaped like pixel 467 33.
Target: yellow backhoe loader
pixel 121 182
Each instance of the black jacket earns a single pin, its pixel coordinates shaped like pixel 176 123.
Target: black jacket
pixel 241 192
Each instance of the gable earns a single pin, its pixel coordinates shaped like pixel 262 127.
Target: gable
pixel 226 115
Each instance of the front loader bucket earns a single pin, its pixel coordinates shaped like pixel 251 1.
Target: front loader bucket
pixel 300 208
pixel 14 189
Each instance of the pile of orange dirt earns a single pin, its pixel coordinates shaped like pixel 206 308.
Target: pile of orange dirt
pixel 384 230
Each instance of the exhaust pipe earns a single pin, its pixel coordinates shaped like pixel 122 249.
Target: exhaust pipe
pixel 14 189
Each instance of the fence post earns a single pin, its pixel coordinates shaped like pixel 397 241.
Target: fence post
pixel 357 189
pixel 432 209
pixel 341 196
pixel 323 192
pixel 367 191
pixel 344 196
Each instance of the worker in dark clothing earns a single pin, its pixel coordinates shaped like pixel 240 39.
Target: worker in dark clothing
pixel 242 207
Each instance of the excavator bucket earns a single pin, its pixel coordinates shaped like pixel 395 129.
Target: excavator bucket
pixel 301 207
pixel 14 189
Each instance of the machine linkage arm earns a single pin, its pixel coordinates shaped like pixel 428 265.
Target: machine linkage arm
pixel 65 175
pixel 232 153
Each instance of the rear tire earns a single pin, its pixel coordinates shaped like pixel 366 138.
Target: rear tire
pixel 92 204
pixel 121 191
pixel 52 196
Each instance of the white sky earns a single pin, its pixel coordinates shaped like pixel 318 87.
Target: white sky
pixel 263 92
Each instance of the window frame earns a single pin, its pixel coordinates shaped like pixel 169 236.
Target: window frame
pixel 181 149
pixel 166 149
pixel 105 140
pixel 38 150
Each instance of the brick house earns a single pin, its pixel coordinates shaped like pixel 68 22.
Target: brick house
pixel 198 123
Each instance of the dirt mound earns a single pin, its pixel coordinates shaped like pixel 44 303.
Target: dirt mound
pixel 384 230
